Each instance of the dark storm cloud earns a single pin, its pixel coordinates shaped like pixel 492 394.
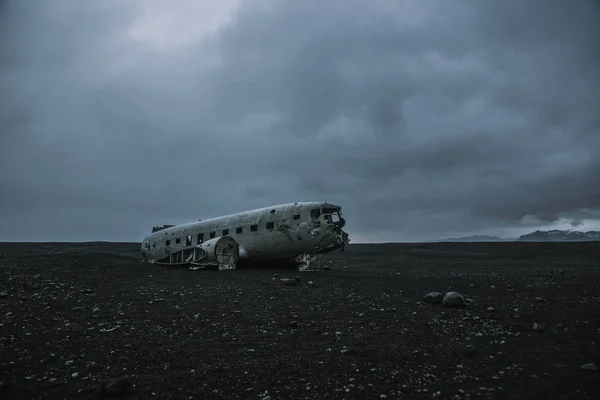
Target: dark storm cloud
pixel 423 119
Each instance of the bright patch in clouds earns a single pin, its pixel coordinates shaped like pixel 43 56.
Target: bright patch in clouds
pixel 168 25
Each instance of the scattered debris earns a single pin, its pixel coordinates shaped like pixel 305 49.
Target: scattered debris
pixel 109 330
pixel 288 281
pixel 537 327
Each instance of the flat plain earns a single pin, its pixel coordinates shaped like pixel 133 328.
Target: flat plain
pixel 75 315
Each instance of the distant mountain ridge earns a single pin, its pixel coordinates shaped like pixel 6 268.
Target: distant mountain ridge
pixel 560 236
pixel 555 235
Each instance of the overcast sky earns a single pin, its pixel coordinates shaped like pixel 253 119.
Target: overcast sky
pixel 423 119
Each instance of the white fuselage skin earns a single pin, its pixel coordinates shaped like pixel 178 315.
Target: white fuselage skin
pixel 276 232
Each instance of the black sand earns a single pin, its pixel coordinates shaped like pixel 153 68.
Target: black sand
pixel 361 331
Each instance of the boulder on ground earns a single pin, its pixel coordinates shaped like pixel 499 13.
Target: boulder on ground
pixel 433 298
pixel 454 299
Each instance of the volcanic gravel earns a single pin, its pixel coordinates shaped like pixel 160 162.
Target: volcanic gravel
pixel 74 316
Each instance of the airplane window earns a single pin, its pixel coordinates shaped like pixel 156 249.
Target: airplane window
pixel 253 228
pixel 167 243
pixel 225 232
pixel 270 225
pixel 331 214
pixel 297 216
pixel 238 230
pixel 188 240
pixel 212 234
pixel 178 240
pixel 316 213
pixel 200 238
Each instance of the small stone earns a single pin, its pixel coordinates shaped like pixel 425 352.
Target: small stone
pixel 536 327
pixel 294 324
pixel 116 387
pixel 470 351
pixel 589 367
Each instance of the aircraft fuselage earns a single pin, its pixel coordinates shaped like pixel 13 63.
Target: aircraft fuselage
pixel 277 232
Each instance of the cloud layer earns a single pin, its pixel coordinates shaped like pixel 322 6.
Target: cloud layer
pixel 422 119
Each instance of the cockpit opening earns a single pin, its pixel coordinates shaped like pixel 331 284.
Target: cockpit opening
pixel 330 215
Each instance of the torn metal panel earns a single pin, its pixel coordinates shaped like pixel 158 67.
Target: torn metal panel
pixel 159 228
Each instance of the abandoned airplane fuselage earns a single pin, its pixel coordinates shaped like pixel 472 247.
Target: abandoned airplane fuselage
pixel 299 231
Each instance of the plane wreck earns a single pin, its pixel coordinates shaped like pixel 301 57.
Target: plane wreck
pixel 300 232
